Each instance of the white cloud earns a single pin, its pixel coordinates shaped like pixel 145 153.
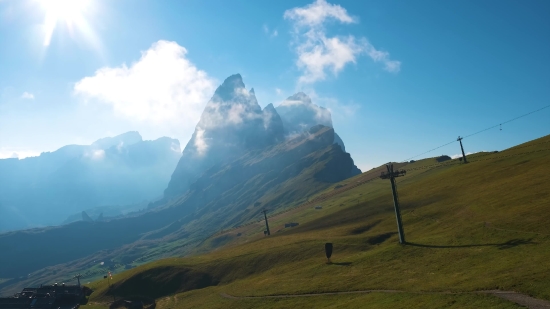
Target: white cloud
pixel 316 13
pixel 120 146
pixel 222 113
pixel 339 111
pixel 96 154
pixel 270 33
pixel 27 96
pixel 200 141
pixel 175 147
pixel 456 156
pixel 278 91
pixel 163 86
pixel 318 53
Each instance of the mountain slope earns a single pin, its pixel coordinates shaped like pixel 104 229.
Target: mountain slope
pixel 457 242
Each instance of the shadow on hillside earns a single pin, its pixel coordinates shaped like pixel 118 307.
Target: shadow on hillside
pixel 364 228
pixel 340 263
pixel 506 245
pixel 378 239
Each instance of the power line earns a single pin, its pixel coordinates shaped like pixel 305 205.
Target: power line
pixel 428 151
pixel 478 132
pixel 507 121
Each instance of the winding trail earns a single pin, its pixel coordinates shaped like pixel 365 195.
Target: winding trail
pixel 518 298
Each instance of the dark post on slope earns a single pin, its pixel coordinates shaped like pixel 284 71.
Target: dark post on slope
pixel 78 278
pixel 391 176
pixel 462 148
pixel 328 251
pixel 266 224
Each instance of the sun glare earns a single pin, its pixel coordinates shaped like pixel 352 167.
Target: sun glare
pixel 69 11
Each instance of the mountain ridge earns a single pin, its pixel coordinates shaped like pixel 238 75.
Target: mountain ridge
pixel 46 189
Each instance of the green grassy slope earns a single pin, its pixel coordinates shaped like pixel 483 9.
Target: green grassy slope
pixel 469 227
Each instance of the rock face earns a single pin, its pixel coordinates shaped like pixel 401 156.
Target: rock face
pixel 118 170
pixel 232 123
pixel 299 114
pixel 86 218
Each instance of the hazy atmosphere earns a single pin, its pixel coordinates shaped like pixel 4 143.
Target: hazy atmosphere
pixel 167 154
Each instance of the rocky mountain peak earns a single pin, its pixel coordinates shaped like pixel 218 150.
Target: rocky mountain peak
pixel 231 86
pixel 298 98
pixel 232 123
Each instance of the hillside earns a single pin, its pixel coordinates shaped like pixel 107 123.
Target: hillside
pixel 469 227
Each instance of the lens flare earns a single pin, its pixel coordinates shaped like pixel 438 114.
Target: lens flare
pixel 70 12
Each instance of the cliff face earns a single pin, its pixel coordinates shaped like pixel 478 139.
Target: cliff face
pixel 232 123
pixel 299 113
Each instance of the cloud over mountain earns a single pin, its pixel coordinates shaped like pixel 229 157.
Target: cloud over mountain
pixel 163 85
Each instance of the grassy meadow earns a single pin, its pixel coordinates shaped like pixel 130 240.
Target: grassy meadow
pixel 469 227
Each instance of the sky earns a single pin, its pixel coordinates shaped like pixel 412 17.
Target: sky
pixel 399 77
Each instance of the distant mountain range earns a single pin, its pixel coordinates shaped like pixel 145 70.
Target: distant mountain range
pixel 113 171
pixel 240 159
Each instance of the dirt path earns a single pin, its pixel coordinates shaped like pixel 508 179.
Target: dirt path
pixel 520 299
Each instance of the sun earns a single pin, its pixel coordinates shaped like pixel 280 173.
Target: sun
pixel 69 11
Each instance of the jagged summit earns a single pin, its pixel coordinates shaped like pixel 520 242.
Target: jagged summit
pixel 232 123
pixel 270 107
pixel 227 89
pixel 297 98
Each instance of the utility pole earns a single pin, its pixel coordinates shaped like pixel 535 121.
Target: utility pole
pixel 266 224
pixel 78 278
pixel 462 148
pixel 391 176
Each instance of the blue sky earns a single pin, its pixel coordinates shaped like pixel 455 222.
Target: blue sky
pixel 400 77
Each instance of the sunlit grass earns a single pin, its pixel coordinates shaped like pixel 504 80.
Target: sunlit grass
pixel 470 227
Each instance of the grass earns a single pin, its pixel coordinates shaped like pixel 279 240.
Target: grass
pixel 469 227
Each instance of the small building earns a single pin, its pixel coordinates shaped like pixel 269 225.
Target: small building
pixel 318 207
pixel 291 224
pixel 45 297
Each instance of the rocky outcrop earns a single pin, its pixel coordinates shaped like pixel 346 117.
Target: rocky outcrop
pixel 299 113
pixel 231 124
pixel 86 218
